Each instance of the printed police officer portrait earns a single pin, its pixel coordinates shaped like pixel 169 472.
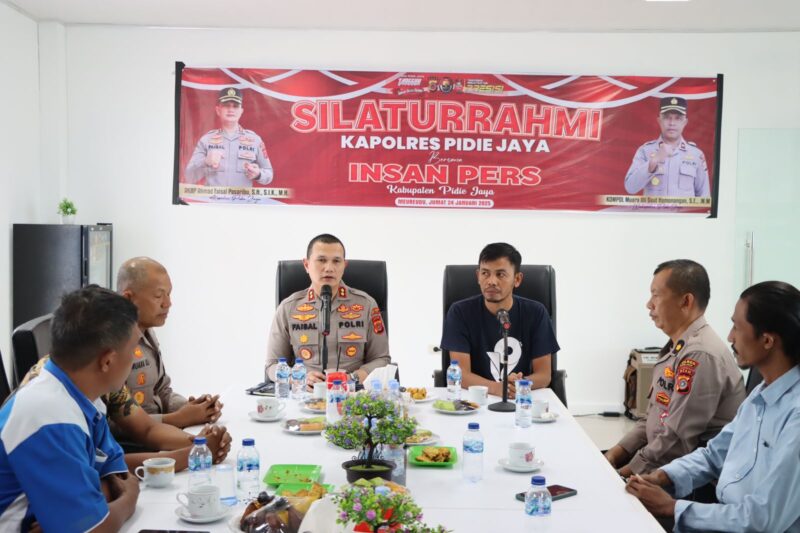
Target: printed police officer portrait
pixel 229 156
pixel 669 166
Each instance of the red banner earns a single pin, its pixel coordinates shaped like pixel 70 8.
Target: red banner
pixel 486 141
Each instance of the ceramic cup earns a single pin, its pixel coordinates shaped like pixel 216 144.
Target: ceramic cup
pixel 521 454
pixel 539 408
pixel 156 472
pixel 320 390
pixel 478 394
pixel 201 501
pixel 269 407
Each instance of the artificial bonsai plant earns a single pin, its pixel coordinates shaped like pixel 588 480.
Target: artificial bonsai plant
pixel 368 423
pixel 67 209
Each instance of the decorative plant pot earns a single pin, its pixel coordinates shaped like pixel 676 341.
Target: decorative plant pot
pixel 67 219
pixel 358 469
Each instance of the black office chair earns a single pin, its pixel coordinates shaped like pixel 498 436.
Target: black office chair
pixel 368 276
pixel 753 379
pixel 538 283
pixel 5 390
pixel 31 341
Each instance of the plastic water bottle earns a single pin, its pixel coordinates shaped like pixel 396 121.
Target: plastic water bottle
pixel 454 381
pixel 538 500
pixel 333 405
pixel 375 388
pixel 299 380
pixel 394 394
pixel 199 463
pixel 248 471
pixel 473 453
pixel 524 400
pixel 282 375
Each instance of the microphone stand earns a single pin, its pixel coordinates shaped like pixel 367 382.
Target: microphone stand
pixel 504 406
pixel 326 321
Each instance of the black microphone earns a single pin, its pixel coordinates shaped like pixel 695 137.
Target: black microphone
pixel 325 295
pixel 502 317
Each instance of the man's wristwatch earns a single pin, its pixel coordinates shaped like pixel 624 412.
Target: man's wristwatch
pixel 353 376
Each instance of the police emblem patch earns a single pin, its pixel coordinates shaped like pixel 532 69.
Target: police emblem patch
pixel 138 397
pixel 304 307
pixel 352 336
pixel 351 351
pixel 305 353
pixel 304 338
pixel 304 317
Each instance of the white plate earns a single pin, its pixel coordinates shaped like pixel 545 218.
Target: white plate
pixel 445 412
pixel 233 523
pixel 254 416
pixel 537 465
pixel 297 432
pixel 307 409
pixel 184 515
pixel 431 395
pixel 430 440
pixel 537 420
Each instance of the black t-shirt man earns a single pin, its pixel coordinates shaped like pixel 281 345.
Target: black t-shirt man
pixel 471 328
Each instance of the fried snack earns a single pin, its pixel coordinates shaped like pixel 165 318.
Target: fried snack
pixel 316 405
pixel 434 454
pixel 418 393
pixel 316 492
pixel 313 426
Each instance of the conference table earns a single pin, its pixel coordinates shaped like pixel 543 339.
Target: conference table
pixel 570 458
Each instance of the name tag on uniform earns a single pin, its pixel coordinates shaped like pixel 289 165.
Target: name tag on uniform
pixel 247 152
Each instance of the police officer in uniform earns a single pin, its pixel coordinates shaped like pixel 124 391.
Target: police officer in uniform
pixel 696 387
pixel 357 343
pixel 230 156
pixel 147 284
pixel 669 165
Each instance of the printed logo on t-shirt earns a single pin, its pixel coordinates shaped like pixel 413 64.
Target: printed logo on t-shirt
pixel 515 352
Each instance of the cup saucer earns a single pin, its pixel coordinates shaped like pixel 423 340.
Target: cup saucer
pixel 537 465
pixel 546 419
pixel 184 515
pixel 254 416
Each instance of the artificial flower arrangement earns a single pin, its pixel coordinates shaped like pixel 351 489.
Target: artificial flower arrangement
pixel 377 506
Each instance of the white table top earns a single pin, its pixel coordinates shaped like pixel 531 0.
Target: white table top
pixel 570 459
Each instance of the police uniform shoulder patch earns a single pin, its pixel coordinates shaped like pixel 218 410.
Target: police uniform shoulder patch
pixel 342 292
pixel 679 346
pixel 377 321
pixel 684 384
pixel 310 297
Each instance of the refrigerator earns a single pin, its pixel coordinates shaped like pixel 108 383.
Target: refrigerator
pixel 49 260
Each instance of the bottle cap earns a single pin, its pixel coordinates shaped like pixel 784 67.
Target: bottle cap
pixel 453 363
pixel 199 440
pixel 394 384
pixel 299 362
pixel 375 385
pixel 537 480
pixel 474 425
pixel 281 359
pixel 337 381
pixel 248 442
pixel 524 383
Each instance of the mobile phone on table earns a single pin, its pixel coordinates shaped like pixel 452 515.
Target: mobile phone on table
pixel 262 389
pixel 558 492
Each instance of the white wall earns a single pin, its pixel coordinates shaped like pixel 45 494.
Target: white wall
pixel 222 259
pixel 19 146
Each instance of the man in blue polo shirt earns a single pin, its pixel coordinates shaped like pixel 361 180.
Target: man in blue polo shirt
pixel 473 334
pixel 59 465
pixel 755 457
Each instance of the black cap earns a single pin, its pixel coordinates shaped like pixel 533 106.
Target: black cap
pixel 230 94
pixel 673 103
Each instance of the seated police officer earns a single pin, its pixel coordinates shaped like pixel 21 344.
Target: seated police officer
pixel 696 386
pixel 357 342
pixel 473 334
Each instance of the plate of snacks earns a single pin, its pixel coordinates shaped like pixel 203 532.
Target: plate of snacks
pixel 305 426
pixel 303 490
pixel 423 437
pixel 455 407
pixel 315 405
pixel 421 394
pixel 441 456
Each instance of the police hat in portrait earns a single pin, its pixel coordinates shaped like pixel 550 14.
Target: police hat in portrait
pixel 673 103
pixel 230 94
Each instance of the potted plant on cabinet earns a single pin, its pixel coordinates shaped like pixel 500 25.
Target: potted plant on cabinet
pixel 369 423
pixel 67 210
